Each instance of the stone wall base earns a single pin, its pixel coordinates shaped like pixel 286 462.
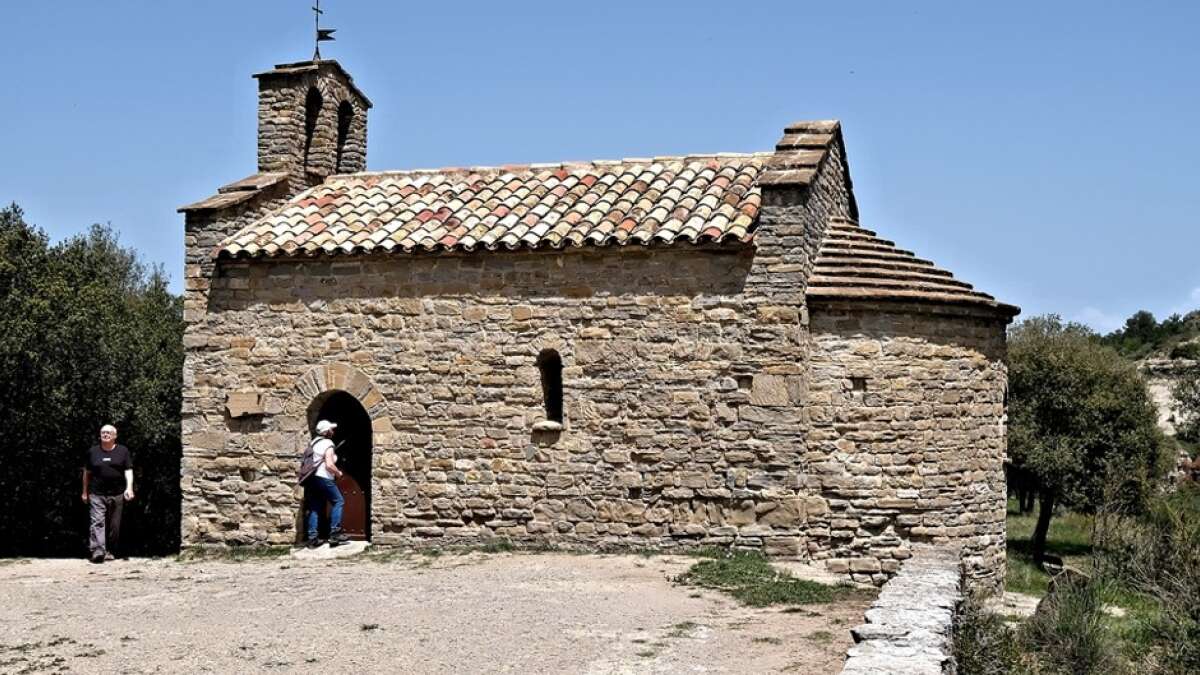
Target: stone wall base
pixel 910 627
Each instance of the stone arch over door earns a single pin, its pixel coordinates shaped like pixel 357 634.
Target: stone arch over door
pixel 339 376
pixel 349 398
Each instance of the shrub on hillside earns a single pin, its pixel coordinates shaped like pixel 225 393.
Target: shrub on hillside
pixel 1186 350
pixel 1186 392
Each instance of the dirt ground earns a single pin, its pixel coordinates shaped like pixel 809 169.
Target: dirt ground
pixel 478 613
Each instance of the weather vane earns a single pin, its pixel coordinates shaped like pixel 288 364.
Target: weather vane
pixel 323 34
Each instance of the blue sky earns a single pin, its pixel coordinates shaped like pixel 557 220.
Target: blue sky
pixel 1047 152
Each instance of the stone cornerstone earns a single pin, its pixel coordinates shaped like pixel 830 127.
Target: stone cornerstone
pixel 733 360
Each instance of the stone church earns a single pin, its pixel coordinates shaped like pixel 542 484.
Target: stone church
pixel 660 352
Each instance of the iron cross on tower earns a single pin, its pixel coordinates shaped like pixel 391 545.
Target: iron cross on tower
pixel 323 34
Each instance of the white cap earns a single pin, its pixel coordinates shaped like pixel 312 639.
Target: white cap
pixel 325 425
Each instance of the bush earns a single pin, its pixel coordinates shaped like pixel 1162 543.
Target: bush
pixel 1186 392
pixel 983 644
pixel 1069 633
pixel 1186 350
pixel 1158 555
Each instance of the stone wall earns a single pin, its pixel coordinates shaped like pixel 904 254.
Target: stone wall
pixel 285 141
pixel 907 437
pixel 673 404
pixel 683 370
pixel 910 628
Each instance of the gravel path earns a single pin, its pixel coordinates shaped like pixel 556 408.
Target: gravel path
pixel 478 613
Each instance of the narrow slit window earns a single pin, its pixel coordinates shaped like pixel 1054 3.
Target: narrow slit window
pixel 345 119
pixel 858 384
pixel 550 365
pixel 312 110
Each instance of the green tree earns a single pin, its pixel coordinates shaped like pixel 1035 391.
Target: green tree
pixel 1079 417
pixel 1142 326
pixel 91 337
pixel 1143 336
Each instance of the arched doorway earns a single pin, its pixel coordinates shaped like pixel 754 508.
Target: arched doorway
pixel 354 456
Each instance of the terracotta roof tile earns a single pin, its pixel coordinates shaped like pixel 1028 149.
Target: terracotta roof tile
pixel 854 263
pixel 236 192
pixel 662 200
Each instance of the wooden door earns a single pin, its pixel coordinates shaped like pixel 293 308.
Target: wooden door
pixel 354 511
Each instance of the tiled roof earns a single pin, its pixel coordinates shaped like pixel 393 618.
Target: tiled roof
pixel 665 200
pixel 698 199
pixel 854 263
pixel 237 192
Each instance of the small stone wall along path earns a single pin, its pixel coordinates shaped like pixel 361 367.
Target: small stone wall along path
pixel 910 627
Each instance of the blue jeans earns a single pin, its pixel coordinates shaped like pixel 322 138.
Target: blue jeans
pixel 316 493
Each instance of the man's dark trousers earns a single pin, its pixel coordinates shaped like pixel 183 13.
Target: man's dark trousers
pixel 105 531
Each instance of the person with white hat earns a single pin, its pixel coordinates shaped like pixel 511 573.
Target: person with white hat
pixel 322 488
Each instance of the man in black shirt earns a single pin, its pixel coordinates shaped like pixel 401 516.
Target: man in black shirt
pixel 107 485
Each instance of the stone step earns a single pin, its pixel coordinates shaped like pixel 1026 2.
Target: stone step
pixel 325 552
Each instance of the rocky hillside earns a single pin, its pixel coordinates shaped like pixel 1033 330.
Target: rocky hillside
pixel 1161 374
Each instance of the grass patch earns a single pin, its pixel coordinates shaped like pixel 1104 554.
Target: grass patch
pixel 823 637
pixel 381 555
pixel 713 552
pixel 368 627
pixel 498 546
pixel 1139 629
pixel 749 578
pixel 1023 576
pixel 767 640
pixel 683 629
pixel 1069 537
pixel 231 553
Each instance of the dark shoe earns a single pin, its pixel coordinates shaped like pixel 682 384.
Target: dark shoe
pixel 339 536
pixel 97 558
pixel 313 543
pixel 108 556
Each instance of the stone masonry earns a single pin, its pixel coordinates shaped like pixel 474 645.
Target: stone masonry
pixel 910 627
pixel 916 453
pixel 707 398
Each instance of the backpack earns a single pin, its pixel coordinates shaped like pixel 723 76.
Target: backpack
pixel 308 465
